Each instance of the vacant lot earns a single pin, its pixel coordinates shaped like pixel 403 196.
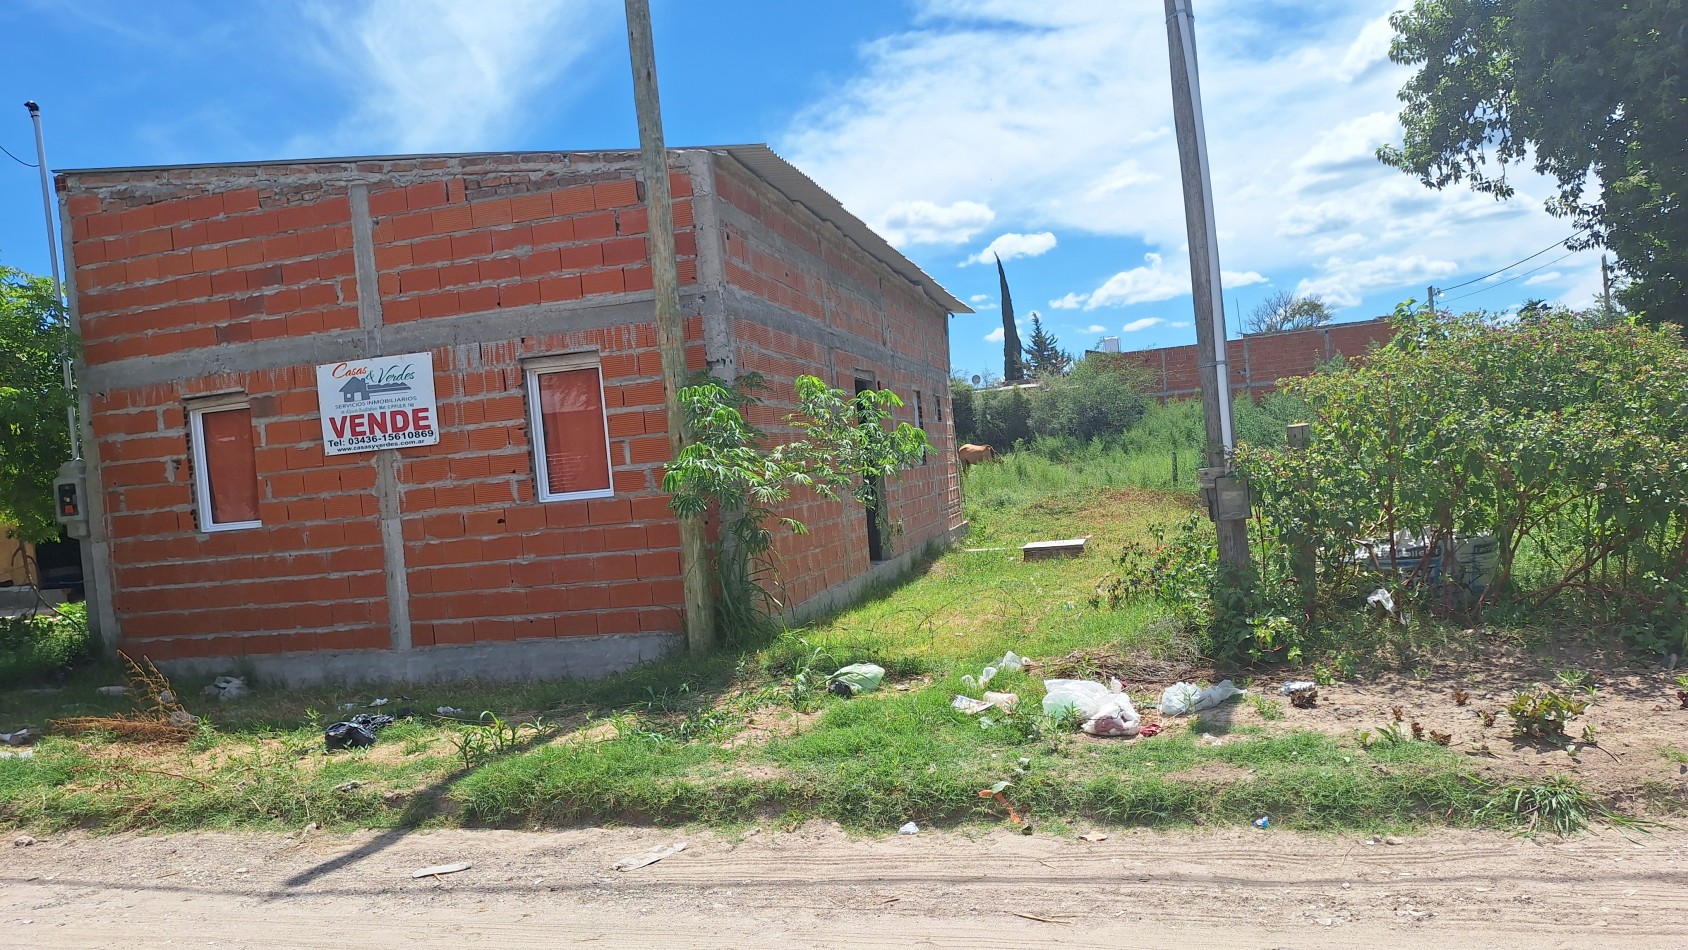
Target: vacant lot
pixel 752 736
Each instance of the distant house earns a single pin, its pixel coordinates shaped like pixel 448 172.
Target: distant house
pixel 534 538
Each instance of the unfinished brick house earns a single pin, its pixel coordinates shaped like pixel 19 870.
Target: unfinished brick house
pixel 279 479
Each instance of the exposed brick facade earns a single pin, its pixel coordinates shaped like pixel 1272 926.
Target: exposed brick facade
pixel 1257 362
pixel 242 279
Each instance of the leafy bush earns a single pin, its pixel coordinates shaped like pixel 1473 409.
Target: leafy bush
pixel 1563 437
pixel 844 447
pixel 34 647
pixel 1542 713
pixel 1099 398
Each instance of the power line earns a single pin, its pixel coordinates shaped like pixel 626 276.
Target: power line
pixel 1484 290
pixel 1558 243
pixel 17 159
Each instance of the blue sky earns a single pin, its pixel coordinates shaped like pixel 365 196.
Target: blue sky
pixel 955 127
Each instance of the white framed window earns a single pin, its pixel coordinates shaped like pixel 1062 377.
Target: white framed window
pixel 225 465
pixel 568 428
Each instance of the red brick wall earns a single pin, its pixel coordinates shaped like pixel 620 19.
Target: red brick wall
pixel 1258 362
pixel 170 267
pixel 809 270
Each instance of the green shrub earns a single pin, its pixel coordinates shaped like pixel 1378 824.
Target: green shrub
pixel 1561 436
pixel 34 647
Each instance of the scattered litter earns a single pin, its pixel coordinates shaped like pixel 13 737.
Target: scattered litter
pixel 24 736
pixel 1385 604
pixel 1003 701
pixel 1093 836
pixel 167 697
pixel 856 678
pixel 1106 710
pixel 19 754
pixel 1182 698
pixel 448 711
pixel 181 719
pixel 22 841
pixel 113 690
pixel 356 732
pixel 1394 840
pixel 351 786
pixel 970 706
pixel 1264 821
pixel 348 705
pixel 439 869
pixel 227 688
pixel 1303 694
pixel 378 702
pixel 909 829
pixel 652 856
pixel 1011 661
pixel 1150 729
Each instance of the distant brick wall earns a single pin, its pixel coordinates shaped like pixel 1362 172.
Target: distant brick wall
pixel 1257 362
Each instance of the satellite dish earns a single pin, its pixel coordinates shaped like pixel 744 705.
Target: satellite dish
pixel 976 379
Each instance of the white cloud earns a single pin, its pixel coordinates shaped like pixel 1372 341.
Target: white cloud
pixel 1369 49
pixel 1145 284
pixel 1014 107
pixel 1342 283
pixel 1096 328
pixel 429 75
pixel 996 336
pixel 978 298
pixel 1136 326
pixel 1245 278
pixel 1546 278
pixel 926 222
pixel 1012 245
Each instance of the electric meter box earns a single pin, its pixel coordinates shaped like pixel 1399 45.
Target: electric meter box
pixel 70 498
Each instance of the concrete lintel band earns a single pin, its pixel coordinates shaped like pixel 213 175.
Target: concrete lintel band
pixel 495 326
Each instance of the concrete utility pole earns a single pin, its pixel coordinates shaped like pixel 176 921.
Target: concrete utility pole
pixel 1205 285
pixel 670 331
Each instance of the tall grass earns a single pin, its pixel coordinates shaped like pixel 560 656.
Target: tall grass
pixel 1162 452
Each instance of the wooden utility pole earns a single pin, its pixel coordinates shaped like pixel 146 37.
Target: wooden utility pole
pixel 1431 290
pixel 1205 285
pixel 670 331
pixel 1605 285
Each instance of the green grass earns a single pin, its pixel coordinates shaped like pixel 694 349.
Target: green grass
pixel 726 740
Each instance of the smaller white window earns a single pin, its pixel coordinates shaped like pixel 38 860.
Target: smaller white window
pixel 568 428
pixel 225 465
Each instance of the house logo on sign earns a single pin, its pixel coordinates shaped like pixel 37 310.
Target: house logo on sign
pixel 358 389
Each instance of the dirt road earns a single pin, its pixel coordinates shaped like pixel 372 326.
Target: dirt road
pixel 816 887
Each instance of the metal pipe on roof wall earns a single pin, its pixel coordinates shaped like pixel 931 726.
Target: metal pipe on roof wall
pixel 53 257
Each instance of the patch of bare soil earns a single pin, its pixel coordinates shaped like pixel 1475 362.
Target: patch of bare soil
pixel 817 887
pixel 1636 721
pixel 770 722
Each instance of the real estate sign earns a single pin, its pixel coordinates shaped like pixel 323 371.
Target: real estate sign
pixel 382 403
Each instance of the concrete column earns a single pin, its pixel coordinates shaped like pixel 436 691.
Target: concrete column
pixel 387 491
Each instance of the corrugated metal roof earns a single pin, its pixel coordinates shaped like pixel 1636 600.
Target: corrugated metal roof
pixel 791 182
pixel 761 160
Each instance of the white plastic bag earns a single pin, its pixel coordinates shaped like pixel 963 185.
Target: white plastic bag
pixel 859 677
pixel 1182 698
pixel 1116 717
pixel 1081 696
pixel 1106 710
